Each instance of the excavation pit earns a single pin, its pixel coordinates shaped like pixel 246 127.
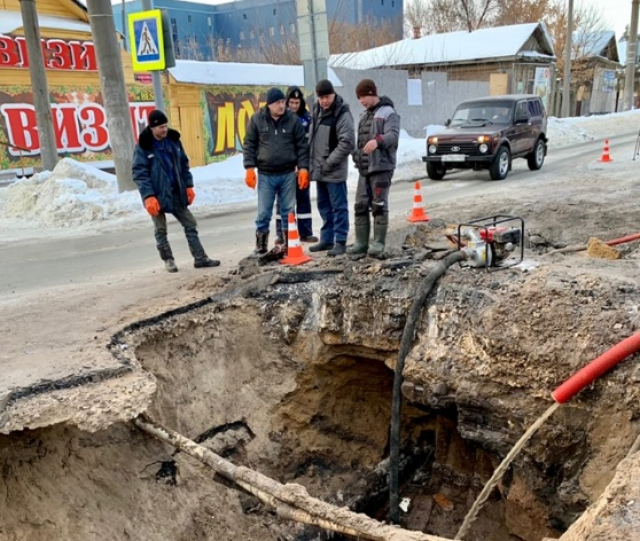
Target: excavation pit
pixel 290 373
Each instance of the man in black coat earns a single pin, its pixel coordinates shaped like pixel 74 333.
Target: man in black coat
pixel 275 144
pixel 161 171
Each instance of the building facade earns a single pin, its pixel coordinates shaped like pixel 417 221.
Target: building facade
pixel 208 32
pixel 75 94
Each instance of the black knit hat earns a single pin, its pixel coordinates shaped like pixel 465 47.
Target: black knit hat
pixel 274 94
pixel 157 118
pixel 295 93
pixel 324 88
pixel 366 87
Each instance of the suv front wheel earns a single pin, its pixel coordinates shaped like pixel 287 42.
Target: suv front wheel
pixel 500 164
pixel 435 171
pixel 536 158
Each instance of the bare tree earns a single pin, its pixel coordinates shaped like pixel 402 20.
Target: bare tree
pixel 441 16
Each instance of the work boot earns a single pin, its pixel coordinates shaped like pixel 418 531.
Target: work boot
pixel 322 246
pixel 262 242
pixel 167 256
pixel 363 226
pixel 338 249
pixel 380 226
pixel 202 262
pixel 170 265
pixel 309 238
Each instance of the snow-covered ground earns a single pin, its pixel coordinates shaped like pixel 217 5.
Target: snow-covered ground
pixel 78 199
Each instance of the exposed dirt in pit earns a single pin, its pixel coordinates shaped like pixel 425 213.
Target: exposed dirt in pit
pixel 292 374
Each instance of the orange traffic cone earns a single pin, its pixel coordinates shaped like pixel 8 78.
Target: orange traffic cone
pixel 295 255
pixel 605 153
pixel 417 214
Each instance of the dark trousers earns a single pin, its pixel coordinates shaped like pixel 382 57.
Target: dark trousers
pixel 188 222
pixel 303 213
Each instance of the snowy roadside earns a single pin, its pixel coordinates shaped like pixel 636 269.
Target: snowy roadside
pixel 77 199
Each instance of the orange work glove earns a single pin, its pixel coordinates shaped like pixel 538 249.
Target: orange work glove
pixel 152 205
pixel 191 195
pixel 303 179
pixel 250 178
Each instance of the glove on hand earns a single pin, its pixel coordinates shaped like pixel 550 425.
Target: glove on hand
pixel 191 195
pixel 250 178
pixel 303 179
pixel 152 205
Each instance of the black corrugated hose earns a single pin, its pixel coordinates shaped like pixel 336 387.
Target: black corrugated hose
pixel 396 402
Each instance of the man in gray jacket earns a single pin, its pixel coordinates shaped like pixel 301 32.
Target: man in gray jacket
pixel 331 140
pixel 375 158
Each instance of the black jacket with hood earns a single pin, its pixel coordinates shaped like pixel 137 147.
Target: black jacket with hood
pixel 150 171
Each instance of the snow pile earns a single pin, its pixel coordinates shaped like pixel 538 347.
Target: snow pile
pixel 568 131
pixel 72 194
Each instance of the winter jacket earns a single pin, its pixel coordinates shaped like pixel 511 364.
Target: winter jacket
pixel 331 139
pixel 150 169
pixel 381 123
pixel 275 147
pixel 303 114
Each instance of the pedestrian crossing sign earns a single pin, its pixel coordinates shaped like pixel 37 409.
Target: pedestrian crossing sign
pixel 147 44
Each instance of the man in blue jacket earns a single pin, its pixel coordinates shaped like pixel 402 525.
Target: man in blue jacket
pixel 275 144
pixel 161 171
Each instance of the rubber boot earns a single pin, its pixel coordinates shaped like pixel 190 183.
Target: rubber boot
pixel 167 256
pixel 363 225
pixel 380 226
pixel 262 242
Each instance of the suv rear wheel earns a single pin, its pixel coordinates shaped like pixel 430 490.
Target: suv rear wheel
pixel 500 164
pixel 536 158
pixel 435 171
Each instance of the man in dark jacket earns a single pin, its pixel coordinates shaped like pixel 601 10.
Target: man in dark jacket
pixel 331 140
pixel 275 144
pixel 375 158
pixel 296 104
pixel 161 171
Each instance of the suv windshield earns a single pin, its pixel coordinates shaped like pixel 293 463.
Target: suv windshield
pixel 482 113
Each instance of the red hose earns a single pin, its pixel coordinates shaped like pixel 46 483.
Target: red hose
pixel 596 368
pixel 628 238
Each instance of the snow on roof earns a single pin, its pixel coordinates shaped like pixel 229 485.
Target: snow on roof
pixel 498 42
pixel 10 21
pixel 594 44
pixel 237 73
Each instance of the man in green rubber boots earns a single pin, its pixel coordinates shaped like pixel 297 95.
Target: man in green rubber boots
pixel 375 158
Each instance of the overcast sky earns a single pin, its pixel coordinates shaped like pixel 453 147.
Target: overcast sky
pixel 615 12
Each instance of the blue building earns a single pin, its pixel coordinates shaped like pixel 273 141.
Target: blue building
pixel 216 32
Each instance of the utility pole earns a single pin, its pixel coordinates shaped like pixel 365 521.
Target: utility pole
pixel 566 86
pixel 313 40
pixel 155 75
pixel 630 71
pixel 47 136
pixel 114 92
pixel 124 25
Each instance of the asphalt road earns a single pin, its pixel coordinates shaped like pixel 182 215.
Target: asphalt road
pixel 44 263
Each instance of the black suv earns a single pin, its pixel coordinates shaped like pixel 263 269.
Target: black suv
pixel 487 133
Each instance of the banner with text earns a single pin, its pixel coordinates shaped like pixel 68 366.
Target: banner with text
pixel 79 121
